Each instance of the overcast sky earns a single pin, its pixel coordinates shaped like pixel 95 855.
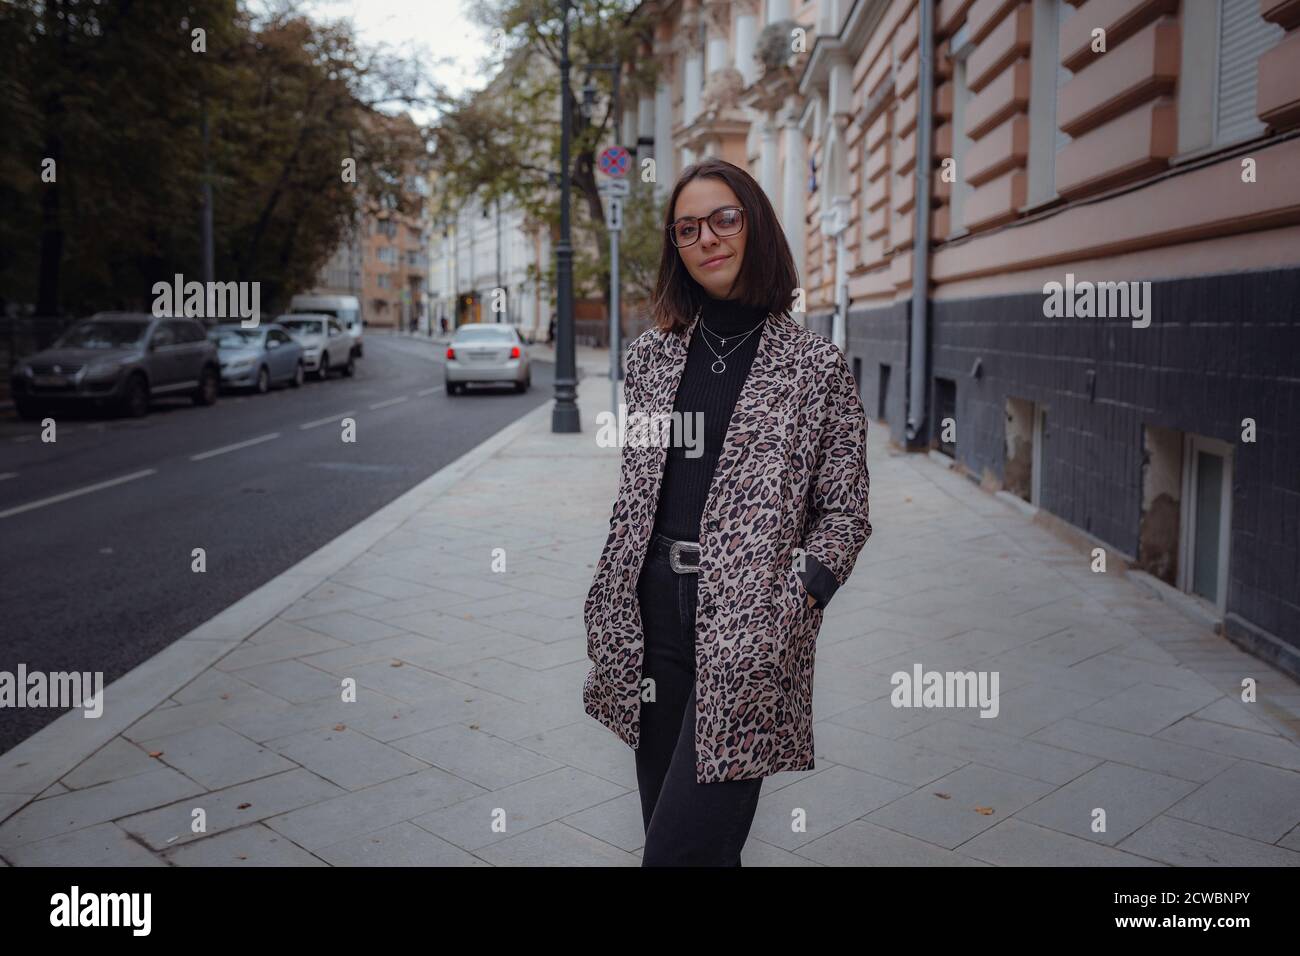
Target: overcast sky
pixel 431 29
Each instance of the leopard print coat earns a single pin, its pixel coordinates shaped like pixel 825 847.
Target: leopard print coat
pixel 792 473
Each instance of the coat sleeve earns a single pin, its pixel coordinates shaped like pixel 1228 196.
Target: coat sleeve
pixel 840 523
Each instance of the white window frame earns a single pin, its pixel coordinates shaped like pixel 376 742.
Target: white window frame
pixel 1216 137
pixel 1037 457
pixel 961 48
pixel 1192 445
pixel 1044 89
pixel 1198 81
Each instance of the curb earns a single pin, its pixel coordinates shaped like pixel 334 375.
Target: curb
pixel 34 765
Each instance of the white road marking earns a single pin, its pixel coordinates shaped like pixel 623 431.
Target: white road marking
pixel 391 401
pixel 428 391
pixel 8 474
pixel 235 447
pixel 24 438
pixel 31 505
pixel 327 421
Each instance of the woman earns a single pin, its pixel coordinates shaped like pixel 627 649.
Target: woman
pixel 703 613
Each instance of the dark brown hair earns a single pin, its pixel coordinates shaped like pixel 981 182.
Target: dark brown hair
pixel 767 276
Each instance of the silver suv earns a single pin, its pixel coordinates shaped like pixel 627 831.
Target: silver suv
pixel 119 359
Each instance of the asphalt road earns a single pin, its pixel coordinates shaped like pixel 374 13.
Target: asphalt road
pixel 100 579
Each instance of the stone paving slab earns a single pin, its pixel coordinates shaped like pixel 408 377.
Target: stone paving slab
pixel 467 743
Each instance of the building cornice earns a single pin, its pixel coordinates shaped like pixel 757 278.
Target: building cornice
pixel 842 48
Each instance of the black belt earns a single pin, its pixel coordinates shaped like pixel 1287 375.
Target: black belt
pixel 683 556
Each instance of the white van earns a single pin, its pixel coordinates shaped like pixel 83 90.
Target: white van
pixel 346 308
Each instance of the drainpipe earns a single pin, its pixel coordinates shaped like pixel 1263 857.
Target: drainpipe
pixel 919 343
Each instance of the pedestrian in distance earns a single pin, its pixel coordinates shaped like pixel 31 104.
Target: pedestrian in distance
pixel 703 613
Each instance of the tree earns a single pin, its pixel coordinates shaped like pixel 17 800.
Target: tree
pixel 115 94
pixel 505 140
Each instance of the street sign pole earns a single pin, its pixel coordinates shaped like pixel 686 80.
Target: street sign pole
pixel 615 330
pixel 614 163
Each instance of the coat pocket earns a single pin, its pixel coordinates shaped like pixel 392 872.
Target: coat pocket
pixel 795 589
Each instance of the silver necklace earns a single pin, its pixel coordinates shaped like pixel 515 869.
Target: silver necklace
pixel 719 366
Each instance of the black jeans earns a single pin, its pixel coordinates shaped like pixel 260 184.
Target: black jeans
pixel 686 823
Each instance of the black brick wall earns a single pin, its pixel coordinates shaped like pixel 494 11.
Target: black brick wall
pixel 877 337
pixel 1219 349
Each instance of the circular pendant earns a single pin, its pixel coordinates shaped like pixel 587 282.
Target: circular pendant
pixel 716 365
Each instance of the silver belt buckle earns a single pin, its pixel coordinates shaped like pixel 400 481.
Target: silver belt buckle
pixel 675 549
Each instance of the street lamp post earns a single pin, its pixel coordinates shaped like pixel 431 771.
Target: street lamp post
pixel 615 316
pixel 564 415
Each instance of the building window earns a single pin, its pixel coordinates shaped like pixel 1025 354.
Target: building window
pixel 1243 36
pixel 382 279
pixel 1047 78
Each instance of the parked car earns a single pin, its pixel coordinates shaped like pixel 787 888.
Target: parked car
pixel 325 343
pixel 258 358
pixel 119 359
pixel 345 308
pixel 484 352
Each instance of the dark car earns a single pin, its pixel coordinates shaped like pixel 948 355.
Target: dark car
pixel 122 360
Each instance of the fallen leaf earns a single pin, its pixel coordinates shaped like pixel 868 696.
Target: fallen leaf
pixel 340 727
pixel 395 664
pixel 243 806
pixel 156 753
pixel 225 697
pixel 987 811
pixel 942 796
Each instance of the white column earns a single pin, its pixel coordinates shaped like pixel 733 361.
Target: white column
pixel 692 84
pixel 796 171
pixel 717 49
pixel 630 121
pixel 746 35
pixel 768 163
pixel 663 152
pixel 645 117
pixel 778 10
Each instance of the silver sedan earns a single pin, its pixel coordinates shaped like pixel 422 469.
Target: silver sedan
pixel 487 352
pixel 257 358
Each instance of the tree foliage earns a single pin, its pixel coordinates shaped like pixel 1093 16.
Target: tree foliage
pixel 504 141
pixel 116 93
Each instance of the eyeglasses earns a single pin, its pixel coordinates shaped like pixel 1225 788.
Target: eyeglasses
pixel 724 221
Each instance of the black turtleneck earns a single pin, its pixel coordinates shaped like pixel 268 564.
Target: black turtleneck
pixel 686 479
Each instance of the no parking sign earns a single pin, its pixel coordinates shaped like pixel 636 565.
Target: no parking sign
pixel 615 161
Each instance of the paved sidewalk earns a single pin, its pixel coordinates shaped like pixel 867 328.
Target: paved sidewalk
pixel 468 744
